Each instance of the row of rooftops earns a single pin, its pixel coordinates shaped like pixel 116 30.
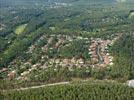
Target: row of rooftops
pixel 104 52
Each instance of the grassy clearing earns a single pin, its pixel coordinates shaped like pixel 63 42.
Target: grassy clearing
pixel 131 15
pixel 20 29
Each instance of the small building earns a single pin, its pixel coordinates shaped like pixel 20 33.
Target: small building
pixel 90 53
pixel 11 75
pixel 81 61
pixel 107 54
pixel 4 69
pixel 111 63
pixel 106 60
pixel 130 83
pixel 57 61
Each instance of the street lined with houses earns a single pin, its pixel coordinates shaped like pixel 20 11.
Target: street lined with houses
pixel 98 52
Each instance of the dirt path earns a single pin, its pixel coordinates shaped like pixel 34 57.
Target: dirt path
pixel 35 87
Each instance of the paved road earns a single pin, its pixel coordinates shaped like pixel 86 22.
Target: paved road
pixel 99 55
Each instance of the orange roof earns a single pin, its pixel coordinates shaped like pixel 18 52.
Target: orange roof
pixel 106 60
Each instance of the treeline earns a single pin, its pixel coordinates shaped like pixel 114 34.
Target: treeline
pixel 34 29
pixel 19 45
pixel 94 90
pixel 77 48
pixel 54 74
pixel 14 17
pixel 123 51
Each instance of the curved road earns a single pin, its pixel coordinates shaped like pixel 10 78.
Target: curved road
pixel 99 55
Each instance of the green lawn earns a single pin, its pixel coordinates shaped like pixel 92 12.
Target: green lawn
pixel 20 29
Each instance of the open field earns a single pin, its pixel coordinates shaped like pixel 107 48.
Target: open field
pixel 131 15
pixel 20 29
